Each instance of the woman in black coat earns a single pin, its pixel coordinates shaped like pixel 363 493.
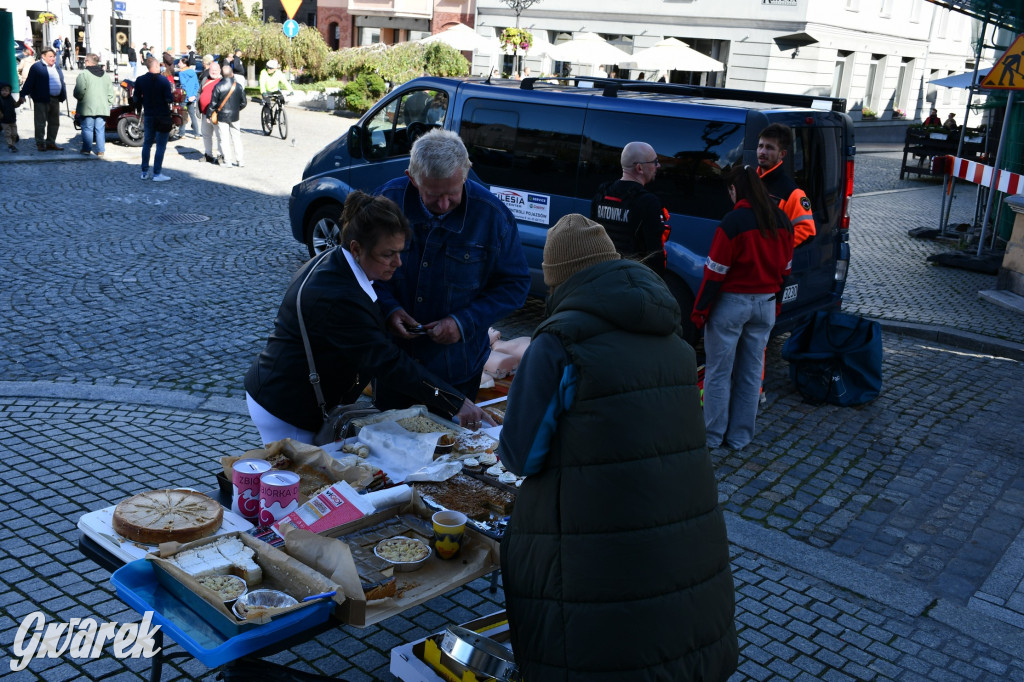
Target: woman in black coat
pixel 349 342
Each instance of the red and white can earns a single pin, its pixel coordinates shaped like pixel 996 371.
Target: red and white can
pixel 245 484
pixel 279 496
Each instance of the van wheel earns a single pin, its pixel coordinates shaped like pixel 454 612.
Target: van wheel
pixel 684 297
pixel 323 229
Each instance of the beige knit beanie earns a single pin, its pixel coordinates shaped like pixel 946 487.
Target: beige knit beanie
pixel 574 243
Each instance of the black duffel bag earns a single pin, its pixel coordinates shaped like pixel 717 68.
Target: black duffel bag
pixel 836 358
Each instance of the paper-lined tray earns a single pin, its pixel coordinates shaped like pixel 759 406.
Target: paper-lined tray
pixel 98 525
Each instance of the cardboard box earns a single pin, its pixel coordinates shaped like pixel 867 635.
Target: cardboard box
pixel 480 555
pixel 280 571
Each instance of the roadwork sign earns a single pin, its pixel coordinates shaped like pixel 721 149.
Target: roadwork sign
pixel 1007 73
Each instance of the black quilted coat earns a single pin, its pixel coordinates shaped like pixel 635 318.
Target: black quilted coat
pixel 616 562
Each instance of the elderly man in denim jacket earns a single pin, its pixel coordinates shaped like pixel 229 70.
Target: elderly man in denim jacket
pixel 463 269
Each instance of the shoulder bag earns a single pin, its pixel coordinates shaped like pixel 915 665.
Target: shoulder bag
pixel 213 116
pixel 337 422
pixel 836 358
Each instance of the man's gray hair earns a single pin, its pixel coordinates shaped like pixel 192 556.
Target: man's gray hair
pixel 437 155
pixel 92 58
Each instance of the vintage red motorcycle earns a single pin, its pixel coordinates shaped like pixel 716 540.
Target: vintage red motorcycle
pixel 127 123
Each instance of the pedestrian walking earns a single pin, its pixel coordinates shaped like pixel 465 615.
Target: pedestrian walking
pixel 69 56
pixel 133 60
pixel 210 130
pixel 9 117
pixel 95 95
pixel 751 253
pixel 154 96
pixel 45 86
pixel 226 104
pixel 190 84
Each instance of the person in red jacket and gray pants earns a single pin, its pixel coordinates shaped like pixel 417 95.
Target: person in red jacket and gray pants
pixel 751 253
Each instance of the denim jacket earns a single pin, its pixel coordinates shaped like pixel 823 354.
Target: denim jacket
pixel 468 264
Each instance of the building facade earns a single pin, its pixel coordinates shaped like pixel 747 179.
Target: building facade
pixel 878 54
pixel 351 23
pixel 106 27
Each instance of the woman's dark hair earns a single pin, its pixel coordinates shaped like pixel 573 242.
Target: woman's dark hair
pixel 749 186
pixel 367 219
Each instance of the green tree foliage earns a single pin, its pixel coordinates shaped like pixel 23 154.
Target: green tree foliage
pixel 262 41
pixel 361 93
pixel 256 11
pixel 444 60
pixel 398 63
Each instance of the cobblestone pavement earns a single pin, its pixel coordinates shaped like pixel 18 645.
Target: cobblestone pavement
pixel 876 543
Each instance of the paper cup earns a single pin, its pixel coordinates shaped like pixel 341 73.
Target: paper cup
pixel 449 531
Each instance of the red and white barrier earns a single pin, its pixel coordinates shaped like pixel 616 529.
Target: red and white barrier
pixel 980 174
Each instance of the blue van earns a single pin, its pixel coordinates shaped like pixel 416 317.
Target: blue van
pixel 544 147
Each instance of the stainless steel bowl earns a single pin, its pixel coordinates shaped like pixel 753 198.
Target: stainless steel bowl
pixel 404 566
pixel 262 602
pixel 480 654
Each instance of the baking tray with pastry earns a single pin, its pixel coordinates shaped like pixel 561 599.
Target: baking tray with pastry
pixel 376 587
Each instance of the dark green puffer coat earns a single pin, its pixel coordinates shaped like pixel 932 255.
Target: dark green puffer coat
pixel 616 562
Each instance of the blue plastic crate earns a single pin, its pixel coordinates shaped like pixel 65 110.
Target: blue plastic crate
pixel 137 585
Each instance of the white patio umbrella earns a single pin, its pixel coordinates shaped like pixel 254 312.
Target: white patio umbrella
pixel 960 80
pixel 669 54
pixel 463 38
pixel 587 48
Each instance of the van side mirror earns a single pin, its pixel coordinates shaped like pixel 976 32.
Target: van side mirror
pixel 355 142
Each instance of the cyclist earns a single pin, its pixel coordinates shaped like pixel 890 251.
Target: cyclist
pixel 272 79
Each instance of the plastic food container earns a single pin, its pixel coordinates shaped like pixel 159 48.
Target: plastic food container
pixel 411 545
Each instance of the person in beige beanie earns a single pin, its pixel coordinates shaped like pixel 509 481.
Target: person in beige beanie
pixel 575 243
pixel 604 420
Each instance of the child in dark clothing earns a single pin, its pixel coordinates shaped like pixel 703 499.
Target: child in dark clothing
pixel 8 117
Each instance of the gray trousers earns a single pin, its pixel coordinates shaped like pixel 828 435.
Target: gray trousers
pixel 734 341
pixel 47 119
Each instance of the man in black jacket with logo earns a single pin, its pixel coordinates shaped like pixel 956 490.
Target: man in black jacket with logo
pixel 633 216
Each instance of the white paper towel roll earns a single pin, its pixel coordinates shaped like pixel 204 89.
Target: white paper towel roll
pixel 390 497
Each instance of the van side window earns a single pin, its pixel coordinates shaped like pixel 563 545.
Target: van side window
pixel 526 146
pixel 695 156
pixel 395 127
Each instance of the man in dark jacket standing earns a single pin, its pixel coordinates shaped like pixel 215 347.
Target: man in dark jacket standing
pixel 154 97
pixel 45 85
pixel 228 101
pixel 463 270
pixel 615 563
pixel 631 214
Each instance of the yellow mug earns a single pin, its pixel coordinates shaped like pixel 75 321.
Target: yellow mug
pixel 449 530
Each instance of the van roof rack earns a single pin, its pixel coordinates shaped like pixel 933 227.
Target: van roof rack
pixel 612 86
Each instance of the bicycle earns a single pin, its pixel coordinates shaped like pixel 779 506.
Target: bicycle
pixel 273 114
